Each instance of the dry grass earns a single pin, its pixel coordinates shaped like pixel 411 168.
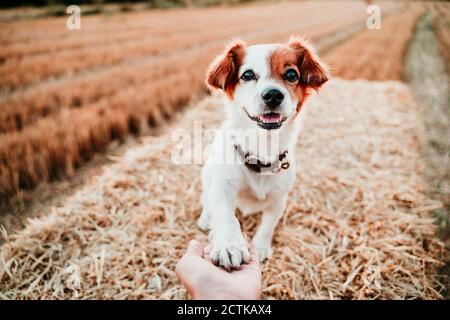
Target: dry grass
pixel 357 223
pixel 376 54
pixel 51 128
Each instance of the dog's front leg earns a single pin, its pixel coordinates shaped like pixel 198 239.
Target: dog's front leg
pixel 263 237
pixel 228 246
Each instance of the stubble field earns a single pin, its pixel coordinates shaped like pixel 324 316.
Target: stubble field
pixel 359 221
pixel 64 95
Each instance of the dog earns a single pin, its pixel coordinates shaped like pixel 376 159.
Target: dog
pixel 266 86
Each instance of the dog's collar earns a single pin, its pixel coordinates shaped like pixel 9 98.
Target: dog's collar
pixel 255 164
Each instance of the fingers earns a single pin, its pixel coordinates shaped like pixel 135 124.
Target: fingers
pixel 254 259
pixel 206 252
pixel 254 254
pixel 194 249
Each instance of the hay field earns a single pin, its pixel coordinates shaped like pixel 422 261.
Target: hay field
pixel 65 95
pixel 357 223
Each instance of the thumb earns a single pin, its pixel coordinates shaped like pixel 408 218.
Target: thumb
pixel 194 248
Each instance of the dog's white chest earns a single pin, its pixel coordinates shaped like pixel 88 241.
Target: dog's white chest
pixel 261 191
pixel 262 195
pixel 255 196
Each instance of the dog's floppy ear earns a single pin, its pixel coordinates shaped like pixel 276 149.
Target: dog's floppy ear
pixel 313 72
pixel 223 71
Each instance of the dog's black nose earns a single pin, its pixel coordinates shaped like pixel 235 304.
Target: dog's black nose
pixel 272 97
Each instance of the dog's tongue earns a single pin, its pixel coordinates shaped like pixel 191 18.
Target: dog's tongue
pixel 270 117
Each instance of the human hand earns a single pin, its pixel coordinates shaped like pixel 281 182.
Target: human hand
pixel 206 281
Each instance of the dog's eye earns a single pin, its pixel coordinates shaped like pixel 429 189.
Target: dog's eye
pixel 248 75
pixel 291 75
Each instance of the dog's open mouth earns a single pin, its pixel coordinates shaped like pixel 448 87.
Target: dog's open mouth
pixel 268 120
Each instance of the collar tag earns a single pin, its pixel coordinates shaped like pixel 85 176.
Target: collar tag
pixel 254 164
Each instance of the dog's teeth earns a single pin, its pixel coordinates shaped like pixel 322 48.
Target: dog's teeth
pixel 270 118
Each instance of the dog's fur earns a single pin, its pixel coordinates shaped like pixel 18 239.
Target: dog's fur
pixel 230 185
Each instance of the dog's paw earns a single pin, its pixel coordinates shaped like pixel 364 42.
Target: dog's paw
pixel 229 251
pixel 264 248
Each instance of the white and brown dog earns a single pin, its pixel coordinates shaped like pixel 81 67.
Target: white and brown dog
pixel 266 86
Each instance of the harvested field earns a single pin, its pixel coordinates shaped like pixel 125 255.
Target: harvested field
pixel 158 37
pixel 357 223
pixel 376 55
pixel 65 96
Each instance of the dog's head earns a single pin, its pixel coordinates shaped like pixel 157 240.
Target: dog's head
pixel 268 83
